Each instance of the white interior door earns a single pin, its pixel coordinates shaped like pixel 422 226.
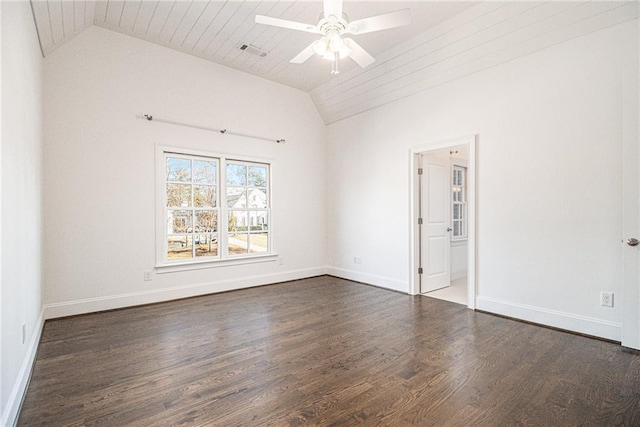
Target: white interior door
pixel 436 242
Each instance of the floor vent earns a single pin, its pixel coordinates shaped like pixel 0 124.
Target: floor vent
pixel 253 50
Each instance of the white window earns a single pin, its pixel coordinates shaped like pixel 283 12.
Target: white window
pixel 459 202
pixel 212 208
pixel 248 207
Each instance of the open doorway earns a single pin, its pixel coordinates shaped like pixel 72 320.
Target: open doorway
pixel 444 239
pixel 444 228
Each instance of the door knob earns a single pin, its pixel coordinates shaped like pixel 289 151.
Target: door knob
pixel 449 229
pixel 632 241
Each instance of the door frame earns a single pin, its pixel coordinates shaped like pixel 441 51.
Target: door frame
pixel 630 330
pixel 414 208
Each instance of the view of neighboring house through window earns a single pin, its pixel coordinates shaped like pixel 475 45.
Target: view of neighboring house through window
pixel 193 188
pixel 459 203
pixel 247 206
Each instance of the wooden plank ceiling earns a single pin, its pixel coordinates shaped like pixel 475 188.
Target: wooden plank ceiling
pixel 446 40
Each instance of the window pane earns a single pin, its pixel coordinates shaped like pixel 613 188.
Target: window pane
pixel 236 198
pixel 179 195
pixel 179 221
pixel 179 247
pixel 206 221
pixel 238 243
pixel 259 242
pixel 206 245
pixel 258 221
pixel 236 174
pixel 257 198
pixel 258 176
pixel 237 221
pixel 456 228
pixel 204 172
pixel 178 169
pixel 456 211
pixel 204 196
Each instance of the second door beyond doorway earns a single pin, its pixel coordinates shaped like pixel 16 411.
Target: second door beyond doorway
pixel 435 210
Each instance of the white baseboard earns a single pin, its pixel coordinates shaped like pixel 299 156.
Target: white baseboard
pixel 91 305
pixel 370 279
pixel 11 411
pixel 557 319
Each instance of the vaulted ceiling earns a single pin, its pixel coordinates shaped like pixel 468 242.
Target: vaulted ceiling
pixel 446 40
pixel 215 30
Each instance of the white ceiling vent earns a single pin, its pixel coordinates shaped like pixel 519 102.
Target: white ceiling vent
pixel 253 50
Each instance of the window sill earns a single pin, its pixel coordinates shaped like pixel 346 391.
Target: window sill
pixel 199 265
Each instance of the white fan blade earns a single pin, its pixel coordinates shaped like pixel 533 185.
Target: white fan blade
pixel 358 54
pixel 307 53
pixel 380 22
pixel 277 22
pixel 333 7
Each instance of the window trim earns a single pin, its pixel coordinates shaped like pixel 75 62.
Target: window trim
pixel 162 265
pixel 214 263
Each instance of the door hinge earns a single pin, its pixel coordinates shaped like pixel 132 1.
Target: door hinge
pixel 419 270
pixel 419 221
pixel 420 170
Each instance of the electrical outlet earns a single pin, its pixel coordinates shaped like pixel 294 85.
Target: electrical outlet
pixel 357 260
pixel 148 275
pixel 24 332
pixel 280 260
pixel 606 299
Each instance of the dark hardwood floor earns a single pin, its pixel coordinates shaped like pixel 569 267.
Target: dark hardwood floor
pixel 323 351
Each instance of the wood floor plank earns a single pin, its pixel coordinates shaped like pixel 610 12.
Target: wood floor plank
pixel 323 351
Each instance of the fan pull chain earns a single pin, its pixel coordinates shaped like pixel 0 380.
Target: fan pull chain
pixel 334 63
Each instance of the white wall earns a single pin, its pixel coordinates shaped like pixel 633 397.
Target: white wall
pixel 20 279
pixel 459 259
pixel 99 174
pixel 548 227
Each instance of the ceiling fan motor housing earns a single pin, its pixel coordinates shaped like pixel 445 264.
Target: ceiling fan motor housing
pixel 333 24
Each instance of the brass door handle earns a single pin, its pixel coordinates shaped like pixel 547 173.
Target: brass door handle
pixel 632 241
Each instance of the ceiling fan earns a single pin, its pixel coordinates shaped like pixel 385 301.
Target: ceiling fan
pixel 332 25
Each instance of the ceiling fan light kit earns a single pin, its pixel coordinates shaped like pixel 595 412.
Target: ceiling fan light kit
pixel 332 45
pixel 328 48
